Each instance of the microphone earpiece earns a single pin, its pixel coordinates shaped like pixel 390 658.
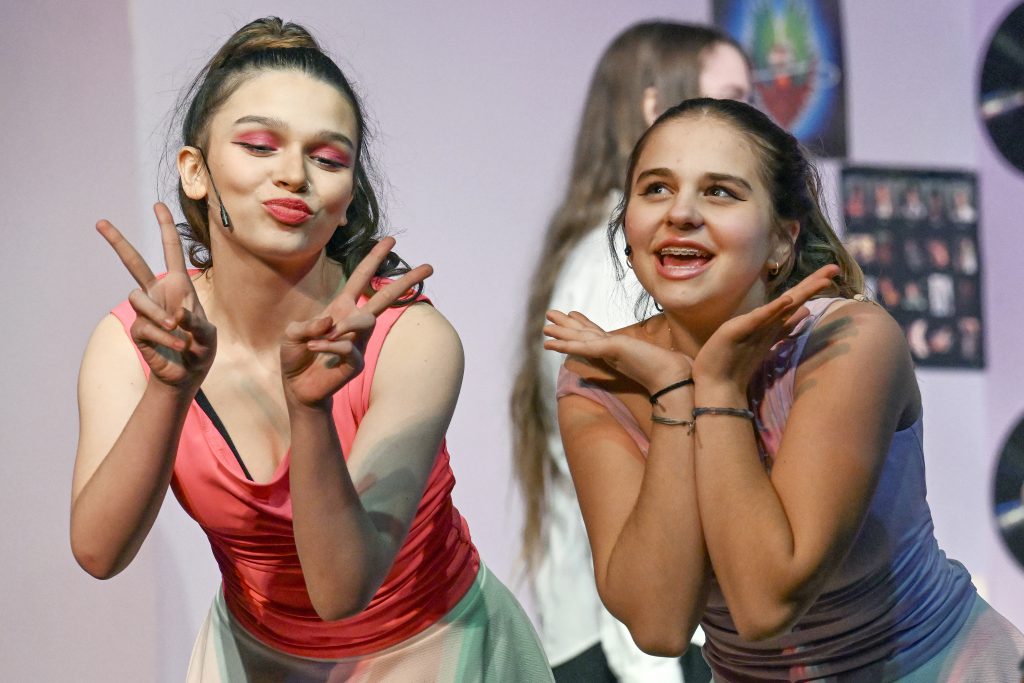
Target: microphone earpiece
pixel 223 212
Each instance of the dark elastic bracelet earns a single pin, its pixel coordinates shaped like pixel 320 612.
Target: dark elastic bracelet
pixel 672 422
pixel 658 394
pixel 733 412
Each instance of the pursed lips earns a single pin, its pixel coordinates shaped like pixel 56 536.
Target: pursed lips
pixel 288 211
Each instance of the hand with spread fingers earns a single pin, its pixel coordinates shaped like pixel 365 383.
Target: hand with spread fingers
pixel 171 330
pixel 644 362
pixel 321 355
pixel 738 347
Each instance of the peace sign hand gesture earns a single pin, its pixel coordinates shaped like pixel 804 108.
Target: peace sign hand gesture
pixel 170 329
pixel 321 355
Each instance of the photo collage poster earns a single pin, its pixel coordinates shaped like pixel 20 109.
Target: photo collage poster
pixel 915 234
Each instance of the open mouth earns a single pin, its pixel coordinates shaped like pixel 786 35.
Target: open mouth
pixel 684 258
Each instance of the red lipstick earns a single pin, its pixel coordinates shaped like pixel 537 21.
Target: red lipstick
pixel 288 211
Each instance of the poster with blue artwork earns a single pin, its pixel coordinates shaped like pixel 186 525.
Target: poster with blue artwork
pixel 796 50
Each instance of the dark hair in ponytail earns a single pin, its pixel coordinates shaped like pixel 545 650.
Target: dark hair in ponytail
pixel 270 44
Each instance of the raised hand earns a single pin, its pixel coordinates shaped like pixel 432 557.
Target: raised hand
pixel 648 364
pixel 734 352
pixel 321 355
pixel 171 329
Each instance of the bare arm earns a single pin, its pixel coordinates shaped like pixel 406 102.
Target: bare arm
pixel 130 426
pixel 350 522
pixel 650 562
pixel 128 436
pixel 850 397
pixel 351 519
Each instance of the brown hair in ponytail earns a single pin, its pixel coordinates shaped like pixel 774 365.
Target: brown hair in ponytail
pixel 270 44
pixel 792 183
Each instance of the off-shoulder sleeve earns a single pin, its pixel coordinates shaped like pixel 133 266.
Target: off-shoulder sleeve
pixel 571 384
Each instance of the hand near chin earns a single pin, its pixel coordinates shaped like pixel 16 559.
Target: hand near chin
pixel 170 329
pixel 648 364
pixel 738 348
pixel 321 355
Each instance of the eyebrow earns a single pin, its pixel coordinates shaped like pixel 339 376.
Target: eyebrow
pixel 720 177
pixel 656 172
pixel 716 177
pixel 281 125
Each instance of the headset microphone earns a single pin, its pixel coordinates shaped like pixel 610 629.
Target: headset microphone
pixel 223 212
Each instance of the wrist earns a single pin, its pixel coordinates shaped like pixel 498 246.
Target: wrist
pixel 677 387
pixel 182 393
pixel 720 394
pixel 299 408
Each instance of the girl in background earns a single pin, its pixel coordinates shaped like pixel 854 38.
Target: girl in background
pixel 646 68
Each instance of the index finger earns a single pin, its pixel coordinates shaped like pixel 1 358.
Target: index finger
pixel 131 258
pixel 812 284
pixel 367 268
pixel 173 256
pixel 393 291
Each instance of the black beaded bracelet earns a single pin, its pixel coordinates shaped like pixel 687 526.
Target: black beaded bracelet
pixel 661 392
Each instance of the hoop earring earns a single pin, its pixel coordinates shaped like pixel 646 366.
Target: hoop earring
pixel 774 269
pixel 628 251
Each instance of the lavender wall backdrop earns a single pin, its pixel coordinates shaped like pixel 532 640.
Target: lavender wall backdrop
pixel 476 105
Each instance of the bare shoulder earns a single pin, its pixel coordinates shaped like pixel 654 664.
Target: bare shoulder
pixel 858 345
pixel 110 358
pixel 859 327
pixel 421 327
pixel 421 353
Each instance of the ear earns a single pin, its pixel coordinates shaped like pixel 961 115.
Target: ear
pixel 193 172
pixel 649 105
pixel 785 242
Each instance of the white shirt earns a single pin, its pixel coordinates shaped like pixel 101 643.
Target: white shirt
pixel 572 618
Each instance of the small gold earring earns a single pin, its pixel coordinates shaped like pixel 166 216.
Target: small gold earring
pixel 774 268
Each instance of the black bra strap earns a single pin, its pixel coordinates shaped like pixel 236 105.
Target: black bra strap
pixel 207 407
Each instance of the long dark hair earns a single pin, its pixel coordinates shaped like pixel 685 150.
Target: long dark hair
pixel 271 44
pixel 668 57
pixel 793 185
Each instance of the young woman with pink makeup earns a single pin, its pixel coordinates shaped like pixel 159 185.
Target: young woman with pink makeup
pixel 294 392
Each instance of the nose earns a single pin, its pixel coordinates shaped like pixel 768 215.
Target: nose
pixel 684 214
pixel 290 171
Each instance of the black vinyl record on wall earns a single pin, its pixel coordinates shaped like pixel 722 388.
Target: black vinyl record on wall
pixel 1008 493
pixel 1001 97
